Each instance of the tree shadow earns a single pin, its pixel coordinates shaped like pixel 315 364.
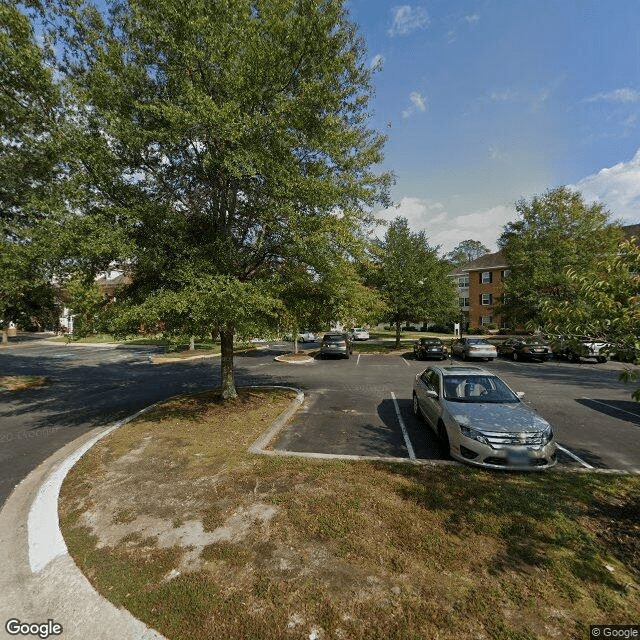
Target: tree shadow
pixel 626 410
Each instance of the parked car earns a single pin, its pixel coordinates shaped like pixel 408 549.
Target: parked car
pixel 430 348
pixel 468 348
pixel 336 344
pixel 573 349
pixel 525 348
pixel 480 420
pixel 359 334
pixel 307 336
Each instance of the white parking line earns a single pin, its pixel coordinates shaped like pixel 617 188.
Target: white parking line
pixel 412 454
pixel 408 365
pixel 635 415
pixel 575 457
pixel 358 360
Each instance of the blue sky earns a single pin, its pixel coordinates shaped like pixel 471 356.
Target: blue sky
pixel 488 101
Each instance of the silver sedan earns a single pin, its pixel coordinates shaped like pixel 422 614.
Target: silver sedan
pixel 468 348
pixel 481 421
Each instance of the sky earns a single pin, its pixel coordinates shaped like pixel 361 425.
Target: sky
pixel 485 102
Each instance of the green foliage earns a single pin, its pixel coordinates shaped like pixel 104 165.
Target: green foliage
pixel 605 305
pixel 30 149
pixel 414 282
pixel 466 251
pixel 556 232
pixel 219 145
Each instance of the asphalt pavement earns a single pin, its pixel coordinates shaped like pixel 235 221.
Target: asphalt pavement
pixel 356 407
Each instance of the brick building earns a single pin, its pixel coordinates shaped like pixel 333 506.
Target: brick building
pixel 479 284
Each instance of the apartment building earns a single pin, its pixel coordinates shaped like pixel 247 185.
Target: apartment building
pixel 479 284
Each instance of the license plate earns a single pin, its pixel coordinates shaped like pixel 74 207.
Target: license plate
pixel 518 457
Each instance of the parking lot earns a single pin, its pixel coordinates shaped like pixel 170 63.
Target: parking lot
pixel 362 407
pixel 355 407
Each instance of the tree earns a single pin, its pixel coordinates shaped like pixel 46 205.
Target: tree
pixel 466 251
pixel 30 150
pixel 414 282
pixel 222 142
pixel 313 300
pixel 556 232
pixel 606 307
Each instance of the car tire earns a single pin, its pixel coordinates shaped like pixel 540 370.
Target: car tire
pixel 601 358
pixel 443 440
pixel 416 407
pixel 465 357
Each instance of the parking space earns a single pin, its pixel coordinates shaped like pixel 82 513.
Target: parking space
pixel 363 408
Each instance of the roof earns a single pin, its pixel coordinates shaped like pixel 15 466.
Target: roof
pixel 631 231
pixel 488 261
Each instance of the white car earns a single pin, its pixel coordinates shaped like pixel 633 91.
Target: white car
pixel 359 334
pixel 307 336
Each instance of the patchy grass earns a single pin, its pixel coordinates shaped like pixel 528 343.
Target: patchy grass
pixel 20 383
pixel 382 347
pixel 172 519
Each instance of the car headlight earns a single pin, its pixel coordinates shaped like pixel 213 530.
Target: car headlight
pixel 547 435
pixel 472 434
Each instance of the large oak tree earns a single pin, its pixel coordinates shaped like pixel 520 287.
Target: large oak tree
pixel 219 143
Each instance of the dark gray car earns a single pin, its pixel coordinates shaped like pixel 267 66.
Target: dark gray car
pixel 336 344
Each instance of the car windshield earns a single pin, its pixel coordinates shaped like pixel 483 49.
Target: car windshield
pixel 334 338
pixel 534 341
pixel 430 341
pixel 476 341
pixel 478 389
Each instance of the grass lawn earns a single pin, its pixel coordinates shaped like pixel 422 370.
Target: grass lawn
pixel 170 517
pixel 20 383
pixel 384 347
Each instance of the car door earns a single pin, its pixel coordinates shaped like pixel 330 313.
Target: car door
pixel 429 382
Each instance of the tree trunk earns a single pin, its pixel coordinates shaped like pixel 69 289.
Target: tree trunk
pixel 192 343
pixel 398 322
pixel 5 336
pixel 227 382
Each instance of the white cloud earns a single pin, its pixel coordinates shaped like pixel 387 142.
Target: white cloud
pixel 449 229
pixel 472 19
pixel 418 103
pixel 617 187
pixel 406 19
pixel 504 96
pixel 619 95
pixel 377 62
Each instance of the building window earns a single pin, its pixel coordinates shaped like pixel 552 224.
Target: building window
pixel 464 302
pixel 486 298
pixel 486 277
pixel 486 320
pixel 505 273
pixel 463 281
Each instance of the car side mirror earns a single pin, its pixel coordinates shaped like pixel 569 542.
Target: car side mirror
pixel 431 393
pixel 520 394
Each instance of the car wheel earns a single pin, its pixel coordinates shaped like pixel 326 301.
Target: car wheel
pixel 443 439
pixel 416 407
pixel 465 357
pixel 601 359
pixel 515 356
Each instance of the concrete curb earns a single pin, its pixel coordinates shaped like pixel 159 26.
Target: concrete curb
pixel 284 359
pixel 40 581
